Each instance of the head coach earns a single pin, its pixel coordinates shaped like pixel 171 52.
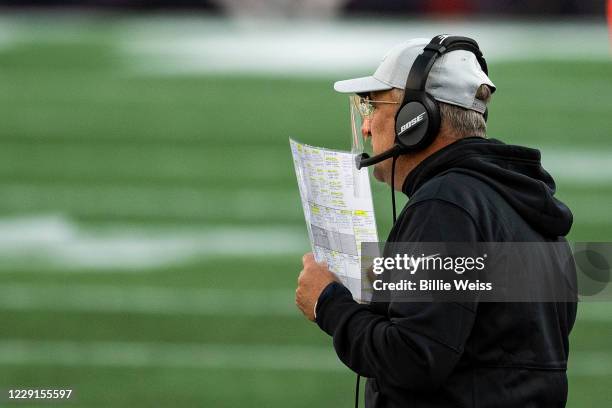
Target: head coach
pixel 424 112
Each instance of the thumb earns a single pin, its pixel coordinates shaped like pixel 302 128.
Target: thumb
pixel 308 257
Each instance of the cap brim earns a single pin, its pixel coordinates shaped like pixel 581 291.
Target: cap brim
pixel 361 85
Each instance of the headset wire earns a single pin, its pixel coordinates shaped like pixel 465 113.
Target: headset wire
pixel 357 391
pixel 393 188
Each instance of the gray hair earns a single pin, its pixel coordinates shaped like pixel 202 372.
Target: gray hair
pixel 463 122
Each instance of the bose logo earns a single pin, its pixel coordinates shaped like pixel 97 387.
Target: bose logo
pixel 412 122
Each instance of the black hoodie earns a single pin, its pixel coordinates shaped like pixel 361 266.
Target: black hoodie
pixel 454 354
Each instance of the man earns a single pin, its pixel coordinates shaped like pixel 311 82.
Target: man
pixel 462 187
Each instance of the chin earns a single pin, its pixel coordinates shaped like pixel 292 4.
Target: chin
pixel 379 174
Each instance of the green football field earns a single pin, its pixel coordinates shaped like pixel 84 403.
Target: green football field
pixel 151 229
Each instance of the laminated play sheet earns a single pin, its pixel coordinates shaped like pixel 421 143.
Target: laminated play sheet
pixel 338 208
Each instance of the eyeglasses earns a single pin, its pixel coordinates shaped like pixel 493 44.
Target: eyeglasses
pixel 364 105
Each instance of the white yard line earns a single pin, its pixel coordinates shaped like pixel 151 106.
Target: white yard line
pixel 213 356
pixel 148 300
pixel 183 301
pixel 581 166
pixel 301 47
pixel 590 363
pixel 141 355
pixel 589 166
pixel 57 242
pixel 595 312
pixel 336 47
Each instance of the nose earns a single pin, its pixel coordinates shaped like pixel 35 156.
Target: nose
pixel 365 129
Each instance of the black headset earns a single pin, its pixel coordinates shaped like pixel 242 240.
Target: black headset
pixel 417 121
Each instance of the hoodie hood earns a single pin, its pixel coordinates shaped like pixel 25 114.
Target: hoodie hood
pixel 515 172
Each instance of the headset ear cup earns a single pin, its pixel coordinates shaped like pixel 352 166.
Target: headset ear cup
pixel 411 125
pixel 433 110
pixel 417 124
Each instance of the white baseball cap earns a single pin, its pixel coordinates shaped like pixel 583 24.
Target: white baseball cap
pixel 453 79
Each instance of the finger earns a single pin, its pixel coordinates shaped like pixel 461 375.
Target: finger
pixel 298 303
pixel 297 297
pixel 308 258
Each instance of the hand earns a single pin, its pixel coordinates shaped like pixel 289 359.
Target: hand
pixel 311 282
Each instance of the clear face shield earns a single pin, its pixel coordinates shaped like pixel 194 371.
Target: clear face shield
pixel 361 113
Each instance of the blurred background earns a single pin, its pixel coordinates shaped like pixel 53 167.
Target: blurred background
pixel 150 224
